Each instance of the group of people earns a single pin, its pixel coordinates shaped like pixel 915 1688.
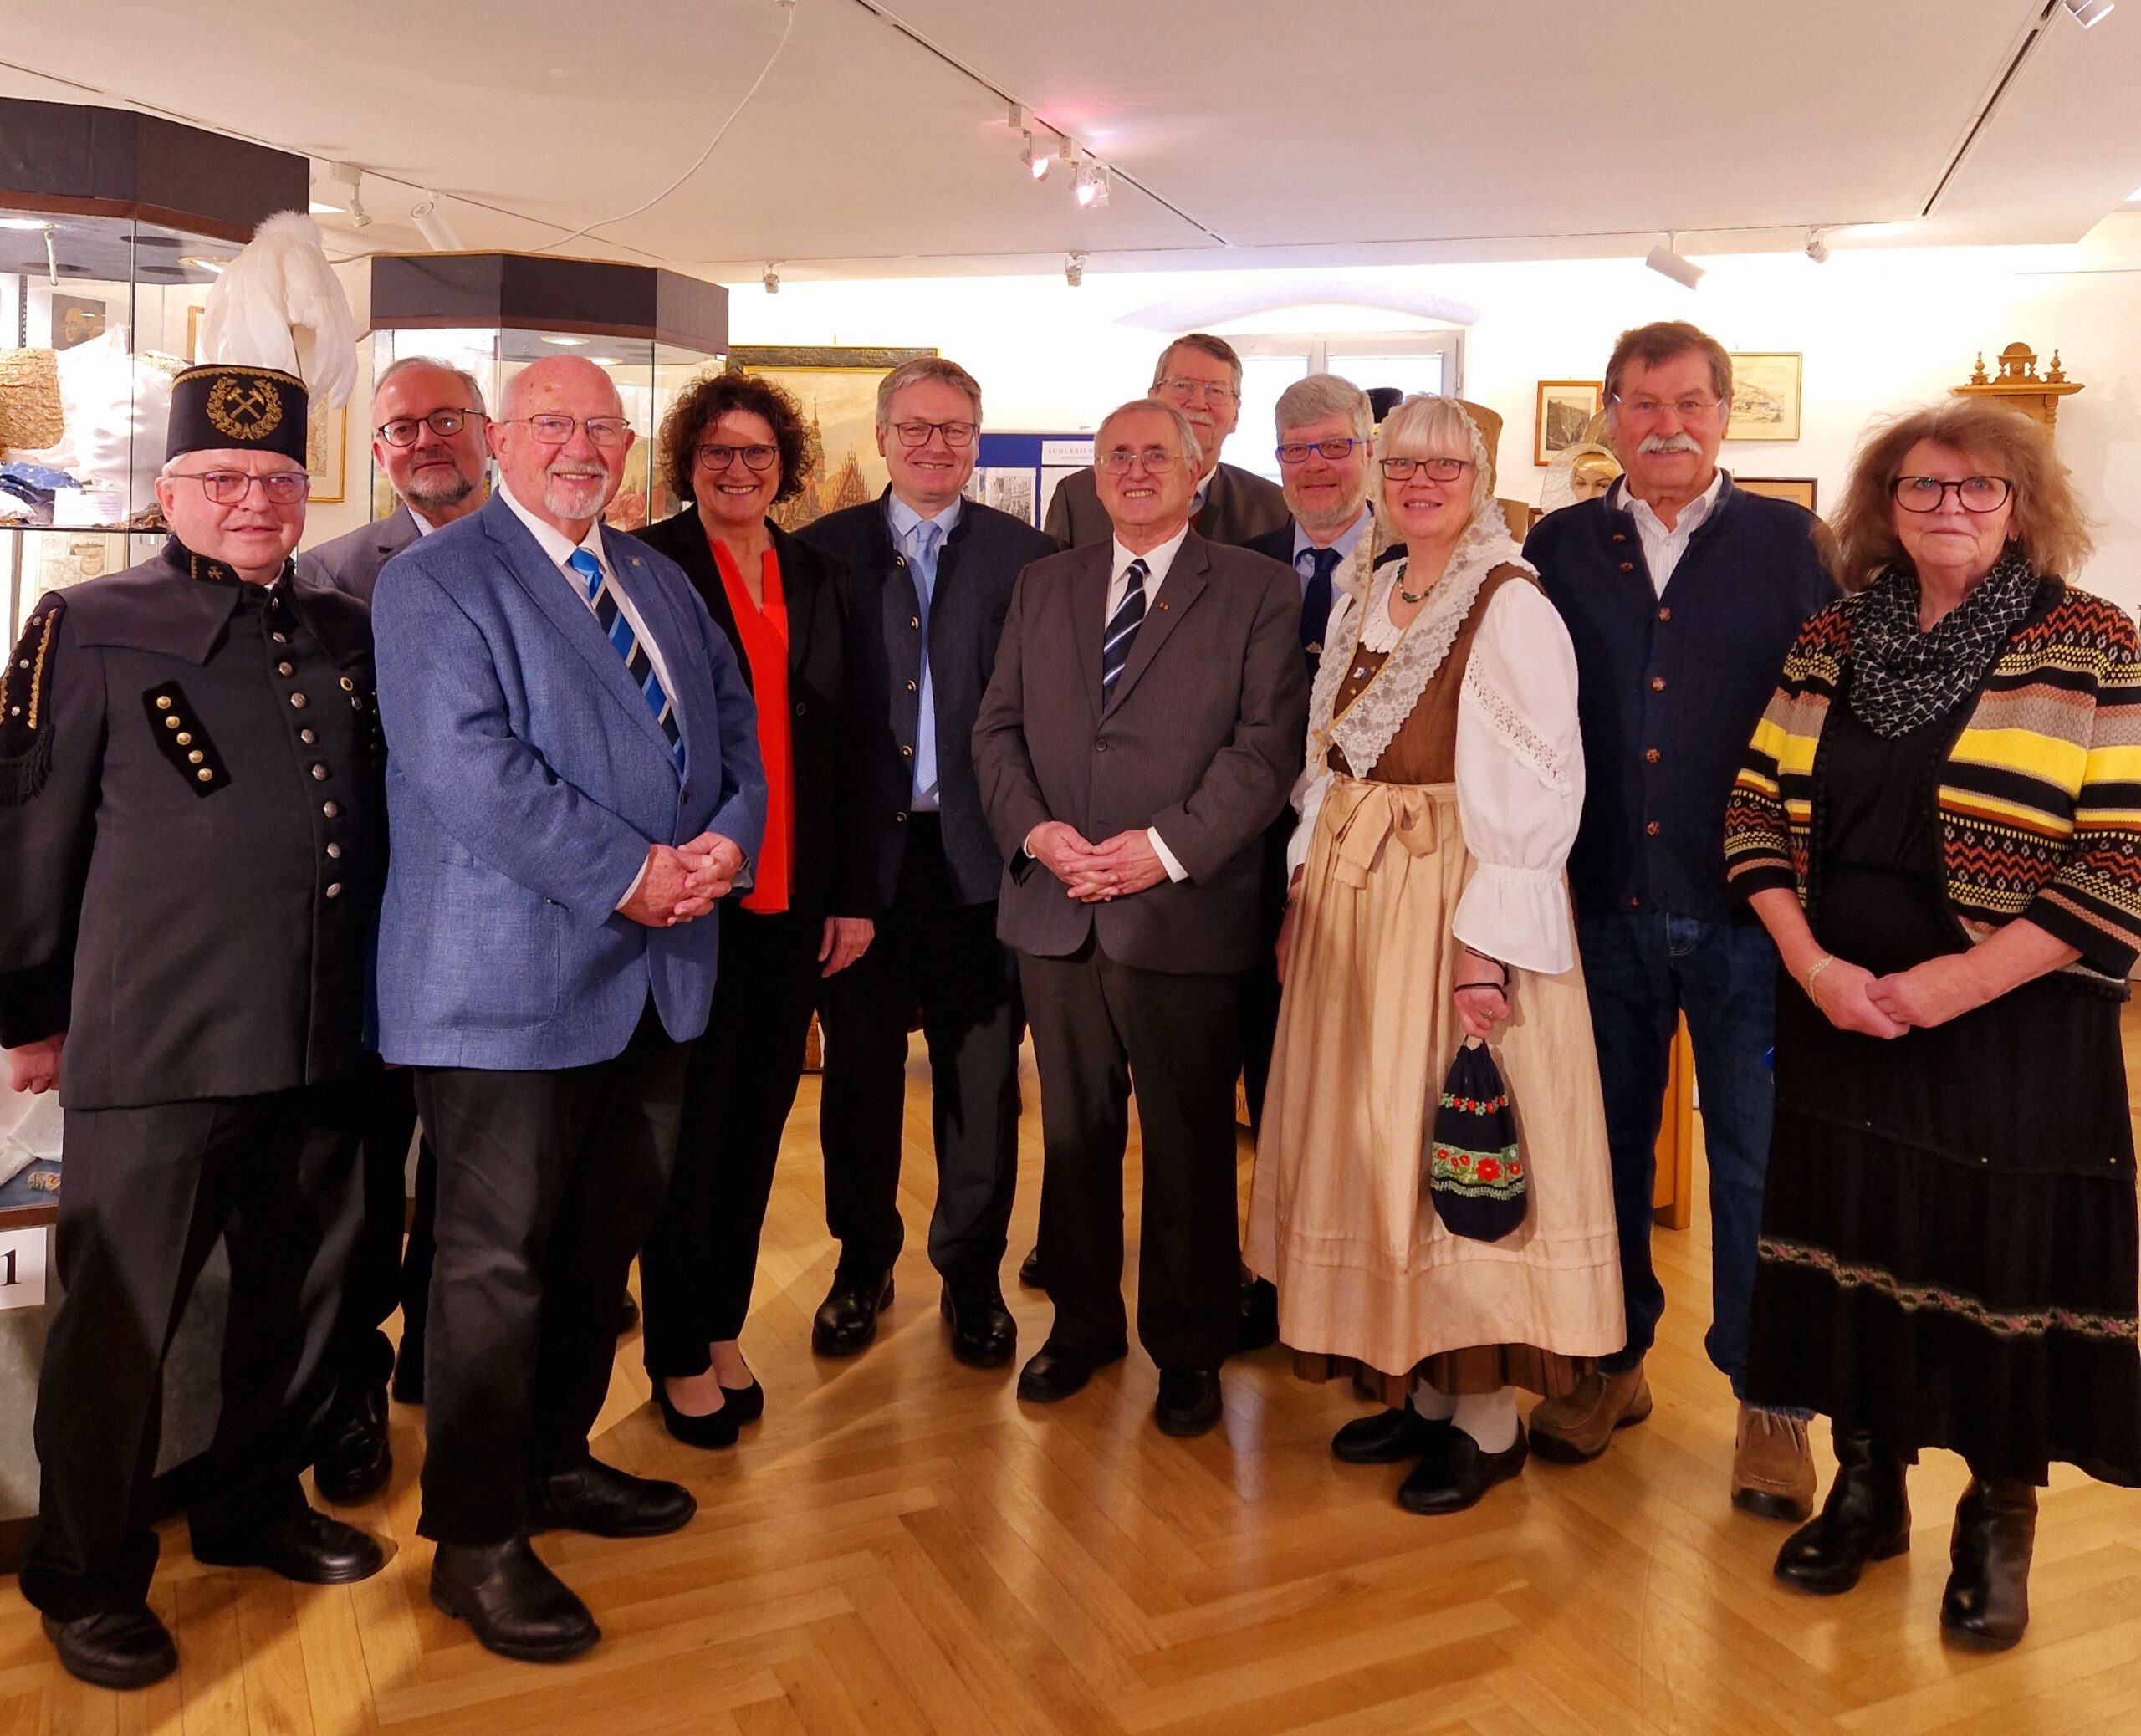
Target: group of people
pixel 1311 786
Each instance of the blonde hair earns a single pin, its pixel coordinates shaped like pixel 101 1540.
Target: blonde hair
pixel 2047 520
pixel 1427 426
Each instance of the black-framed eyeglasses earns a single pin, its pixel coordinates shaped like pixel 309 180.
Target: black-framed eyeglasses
pixel 714 457
pixel 1296 452
pixel 1930 493
pixel 1439 470
pixel 1120 460
pixel 401 429
pixel 554 430
pixel 957 435
pixel 227 487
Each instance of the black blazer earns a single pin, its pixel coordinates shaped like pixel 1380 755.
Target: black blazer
pixel 815 589
pixel 975 570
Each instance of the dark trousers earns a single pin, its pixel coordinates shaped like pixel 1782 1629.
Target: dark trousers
pixel 547 1182
pixel 936 954
pixel 416 1259
pixel 1099 1027
pixel 1642 970
pixel 695 1272
pixel 148 1191
pixel 364 1356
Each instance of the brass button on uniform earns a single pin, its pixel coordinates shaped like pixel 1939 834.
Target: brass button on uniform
pixel 1628 566
pixel 907 754
pixel 910 686
pixel 1658 684
pixel 1651 756
pixel 185 737
pixel 319 772
pixel 163 701
pixel 335 889
pixel 172 722
pixel 195 756
pixel 297 702
pixel 1665 615
pixel 286 669
pixel 307 736
pixel 348 685
pixel 329 809
pixel 899 820
pixel 1653 828
pixel 205 775
pixel 335 852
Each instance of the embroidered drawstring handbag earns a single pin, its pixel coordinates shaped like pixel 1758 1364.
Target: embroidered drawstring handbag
pixel 1475 1171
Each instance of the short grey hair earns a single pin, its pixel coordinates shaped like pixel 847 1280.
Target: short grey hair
pixel 1191 449
pixel 1319 395
pixel 1204 343
pixel 407 362
pixel 1425 426
pixel 927 367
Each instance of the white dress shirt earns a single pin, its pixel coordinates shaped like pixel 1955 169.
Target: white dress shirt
pixel 1661 549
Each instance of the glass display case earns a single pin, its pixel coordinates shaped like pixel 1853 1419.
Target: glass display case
pixel 492 315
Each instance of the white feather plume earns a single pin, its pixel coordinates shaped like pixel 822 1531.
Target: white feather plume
pixel 278 304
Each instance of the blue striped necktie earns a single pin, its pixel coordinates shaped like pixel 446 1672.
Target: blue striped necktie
pixel 602 597
pixel 1122 628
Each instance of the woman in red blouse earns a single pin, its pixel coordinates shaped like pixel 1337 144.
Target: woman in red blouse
pixel 733 447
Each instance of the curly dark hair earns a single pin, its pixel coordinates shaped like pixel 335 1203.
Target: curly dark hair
pixel 710 397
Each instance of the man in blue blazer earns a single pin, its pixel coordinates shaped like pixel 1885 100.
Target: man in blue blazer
pixel 573 780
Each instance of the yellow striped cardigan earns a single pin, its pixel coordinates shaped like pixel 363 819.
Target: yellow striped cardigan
pixel 2038 804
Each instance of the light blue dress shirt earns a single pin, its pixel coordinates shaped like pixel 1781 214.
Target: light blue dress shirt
pixel 921 541
pixel 1344 544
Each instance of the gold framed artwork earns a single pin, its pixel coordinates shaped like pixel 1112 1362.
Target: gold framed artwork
pixel 1764 396
pixel 326 451
pixel 1565 409
pixel 836 387
pixel 1799 490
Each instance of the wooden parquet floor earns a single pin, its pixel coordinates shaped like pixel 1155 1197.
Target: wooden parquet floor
pixel 900 1548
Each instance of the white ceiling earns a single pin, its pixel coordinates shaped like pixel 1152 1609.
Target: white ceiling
pixel 1246 132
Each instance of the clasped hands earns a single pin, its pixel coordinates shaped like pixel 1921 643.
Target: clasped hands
pixel 684 881
pixel 1852 998
pixel 1094 873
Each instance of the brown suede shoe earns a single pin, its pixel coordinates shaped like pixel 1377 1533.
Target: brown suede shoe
pixel 1772 1467
pixel 1580 1426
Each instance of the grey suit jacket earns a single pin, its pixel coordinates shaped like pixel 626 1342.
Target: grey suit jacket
pixel 350 563
pixel 1237 506
pixel 1202 739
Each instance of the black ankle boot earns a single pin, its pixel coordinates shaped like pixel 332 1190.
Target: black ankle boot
pixel 1987 1602
pixel 1866 1517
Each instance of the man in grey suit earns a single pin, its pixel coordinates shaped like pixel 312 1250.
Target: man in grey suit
pixel 1143 727
pixel 1200 375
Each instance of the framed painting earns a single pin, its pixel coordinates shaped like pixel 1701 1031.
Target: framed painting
pixel 1799 490
pixel 1565 409
pixel 836 387
pixel 1764 396
pixel 326 451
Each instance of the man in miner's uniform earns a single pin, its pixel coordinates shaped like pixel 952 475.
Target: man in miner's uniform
pixel 192 839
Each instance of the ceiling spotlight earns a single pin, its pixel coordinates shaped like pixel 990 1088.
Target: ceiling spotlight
pixel 1667 261
pixel 431 224
pixel 1074 269
pixel 2089 11
pixel 1037 162
pixel 771 277
pixel 1092 188
pixel 1817 249
pixel 337 190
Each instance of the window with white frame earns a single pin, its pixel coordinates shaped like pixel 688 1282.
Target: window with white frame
pixel 1414 361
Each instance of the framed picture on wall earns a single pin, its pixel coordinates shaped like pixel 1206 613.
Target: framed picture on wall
pixel 1565 409
pixel 1799 490
pixel 837 389
pixel 326 451
pixel 1764 396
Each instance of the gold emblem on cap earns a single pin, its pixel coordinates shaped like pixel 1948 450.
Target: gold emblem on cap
pixel 244 408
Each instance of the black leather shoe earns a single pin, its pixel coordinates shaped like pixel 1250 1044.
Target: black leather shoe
pixel 1454 1474
pixel 1986 1605
pixel 1386 1438
pixel 1866 1518
pixel 627 1314
pixel 1029 1271
pixel 606 1502
pixel 983 1334
pixel 113 1648
pixel 747 1403
pixel 1260 1315
pixel 513 1604
pixel 306 1546
pixel 1189 1401
pixel 356 1459
pixel 1052 1374
pixel 847 1320
pixel 712 1430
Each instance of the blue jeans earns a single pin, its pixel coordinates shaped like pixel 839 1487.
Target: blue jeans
pixel 1643 969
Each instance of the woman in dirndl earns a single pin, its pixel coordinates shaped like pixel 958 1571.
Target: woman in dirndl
pixel 1429 903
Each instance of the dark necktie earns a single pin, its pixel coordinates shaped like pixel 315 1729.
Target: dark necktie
pixel 1122 628
pixel 1315 601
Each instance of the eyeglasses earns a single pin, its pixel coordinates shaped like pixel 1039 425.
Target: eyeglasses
pixel 1973 493
pixel 957 435
pixel 1179 387
pixel 1296 452
pixel 1687 409
pixel 444 423
pixel 1120 460
pixel 227 487
pixel 720 458
pixel 605 430
pixel 1439 470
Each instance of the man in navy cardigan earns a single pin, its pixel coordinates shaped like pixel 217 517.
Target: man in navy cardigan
pixel 1682 594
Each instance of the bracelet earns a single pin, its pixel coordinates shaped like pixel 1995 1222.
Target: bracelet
pixel 1499 988
pixel 1815 969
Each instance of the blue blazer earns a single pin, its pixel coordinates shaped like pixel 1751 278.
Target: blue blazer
pixel 526 779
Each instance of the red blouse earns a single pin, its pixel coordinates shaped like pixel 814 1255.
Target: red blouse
pixel 764 633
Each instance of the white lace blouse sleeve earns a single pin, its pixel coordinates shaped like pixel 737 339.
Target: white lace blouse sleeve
pixel 1520 783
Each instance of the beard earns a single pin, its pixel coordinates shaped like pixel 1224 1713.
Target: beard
pixel 576 496
pixel 448 489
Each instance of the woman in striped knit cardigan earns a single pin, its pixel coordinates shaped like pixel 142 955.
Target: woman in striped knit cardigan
pixel 1939 823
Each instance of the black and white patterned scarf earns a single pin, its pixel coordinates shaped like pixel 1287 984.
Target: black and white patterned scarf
pixel 1903 678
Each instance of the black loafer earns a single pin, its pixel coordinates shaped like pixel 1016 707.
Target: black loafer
pixel 306 1546
pixel 1189 1401
pixel 606 1502
pixel 983 1334
pixel 747 1403
pixel 1260 1315
pixel 113 1648
pixel 1454 1474
pixel 1385 1438
pixel 357 1459
pixel 514 1605
pixel 711 1430
pixel 847 1320
pixel 1052 1374
pixel 1029 1271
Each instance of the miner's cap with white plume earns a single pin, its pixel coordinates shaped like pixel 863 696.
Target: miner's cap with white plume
pixel 279 305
